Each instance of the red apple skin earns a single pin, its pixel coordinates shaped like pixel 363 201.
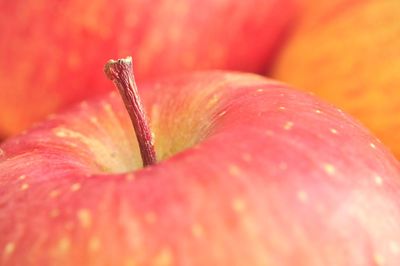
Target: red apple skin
pixel 251 173
pixel 51 52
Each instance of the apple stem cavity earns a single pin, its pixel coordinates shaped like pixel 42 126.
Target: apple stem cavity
pixel 120 72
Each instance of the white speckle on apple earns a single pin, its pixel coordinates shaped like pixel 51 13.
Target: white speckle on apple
pixel 107 107
pixel 234 170
pixel 9 248
pixel 288 125
pixel 63 245
pixel 75 187
pixel 94 120
pixel 54 213
pixel 394 247
pixel 164 257
pixel 372 145
pixel 196 147
pixel 302 196
pixel 378 180
pixel 54 193
pixel 22 177
pixel 329 169
pixel 129 177
pixel 222 114
pixel 246 157
pixel 260 90
pixel 150 217
pixel 60 133
pixel 197 230
pixel 238 205
pixel 1 152
pixel 94 244
pixel 318 111
pixel 379 260
pixel 72 144
pixel 334 131
pixel 24 186
pixel 214 99
pixel 282 108
pixel 84 217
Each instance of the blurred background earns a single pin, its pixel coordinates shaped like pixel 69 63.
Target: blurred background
pixel 52 53
pixel 347 52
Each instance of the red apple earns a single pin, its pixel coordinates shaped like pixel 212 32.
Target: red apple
pixel 250 172
pixel 51 52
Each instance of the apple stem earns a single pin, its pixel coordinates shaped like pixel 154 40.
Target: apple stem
pixel 120 72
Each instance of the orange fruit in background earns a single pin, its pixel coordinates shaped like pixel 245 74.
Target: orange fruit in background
pixel 348 52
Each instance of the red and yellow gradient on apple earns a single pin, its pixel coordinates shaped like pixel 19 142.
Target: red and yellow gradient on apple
pixel 250 172
pixel 348 52
pixel 52 52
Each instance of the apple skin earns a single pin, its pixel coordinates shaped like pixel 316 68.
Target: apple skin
pixel 347 52
pixel 51 53
pixel 251 172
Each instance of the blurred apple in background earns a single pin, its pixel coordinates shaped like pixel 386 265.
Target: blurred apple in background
pixel 51 52
pixel 250 172
pixel 348 52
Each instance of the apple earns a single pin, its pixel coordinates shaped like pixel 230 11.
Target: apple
pixel 347 52
pixel 248 172
pixel 51 52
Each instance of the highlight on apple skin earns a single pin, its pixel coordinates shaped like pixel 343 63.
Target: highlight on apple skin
pixel 250 172
pixel 347 52
pixel 51 52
